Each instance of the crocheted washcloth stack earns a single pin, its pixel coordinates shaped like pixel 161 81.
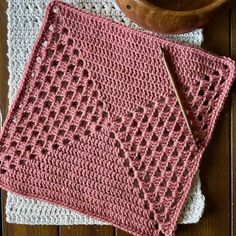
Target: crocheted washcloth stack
pixel 96 126
pixel 24 20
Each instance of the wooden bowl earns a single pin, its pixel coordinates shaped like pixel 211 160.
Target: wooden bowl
pixel 171 16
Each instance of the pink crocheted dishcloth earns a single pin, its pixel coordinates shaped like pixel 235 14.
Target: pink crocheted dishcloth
pixel 96 126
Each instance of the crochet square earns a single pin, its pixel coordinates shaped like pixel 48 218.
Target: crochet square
pixel 23 26
pixel 96 127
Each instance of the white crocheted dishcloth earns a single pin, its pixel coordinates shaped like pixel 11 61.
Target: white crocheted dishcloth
pixel 24 20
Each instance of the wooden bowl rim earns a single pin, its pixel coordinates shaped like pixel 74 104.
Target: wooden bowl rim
pixel 204 9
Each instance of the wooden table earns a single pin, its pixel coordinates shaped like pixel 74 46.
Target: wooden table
pixel 218 167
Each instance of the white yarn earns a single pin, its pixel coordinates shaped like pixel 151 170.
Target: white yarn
pixel 24 20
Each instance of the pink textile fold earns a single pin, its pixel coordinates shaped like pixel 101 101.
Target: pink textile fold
pixel 96 127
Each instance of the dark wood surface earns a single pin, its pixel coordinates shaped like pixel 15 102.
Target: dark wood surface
pixel 218 167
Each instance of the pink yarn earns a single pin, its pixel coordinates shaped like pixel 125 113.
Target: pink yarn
pixel 96 126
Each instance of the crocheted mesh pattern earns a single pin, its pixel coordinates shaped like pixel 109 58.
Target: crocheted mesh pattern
pixel 22 210
pixel 96 126
pixel 24 19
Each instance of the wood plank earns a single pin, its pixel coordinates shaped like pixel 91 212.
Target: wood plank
pixel 3 59
pixel 215 166
pixel 233 163
pixel 86 230
pixel 26 230
pixel 121 233
pixel 13 229
pixel 233 127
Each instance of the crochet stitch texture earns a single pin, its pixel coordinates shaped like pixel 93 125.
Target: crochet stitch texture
pixel 21 210
pixel 132 159
pixel 24 21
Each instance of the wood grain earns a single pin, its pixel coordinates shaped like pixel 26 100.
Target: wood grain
pixel 220 37
pixel 233 128
pixel 84 230
pixel 166 17
pixel 121 233
pixel 181 5
pixel 233 163
pixel 26 230
pixel 3 59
